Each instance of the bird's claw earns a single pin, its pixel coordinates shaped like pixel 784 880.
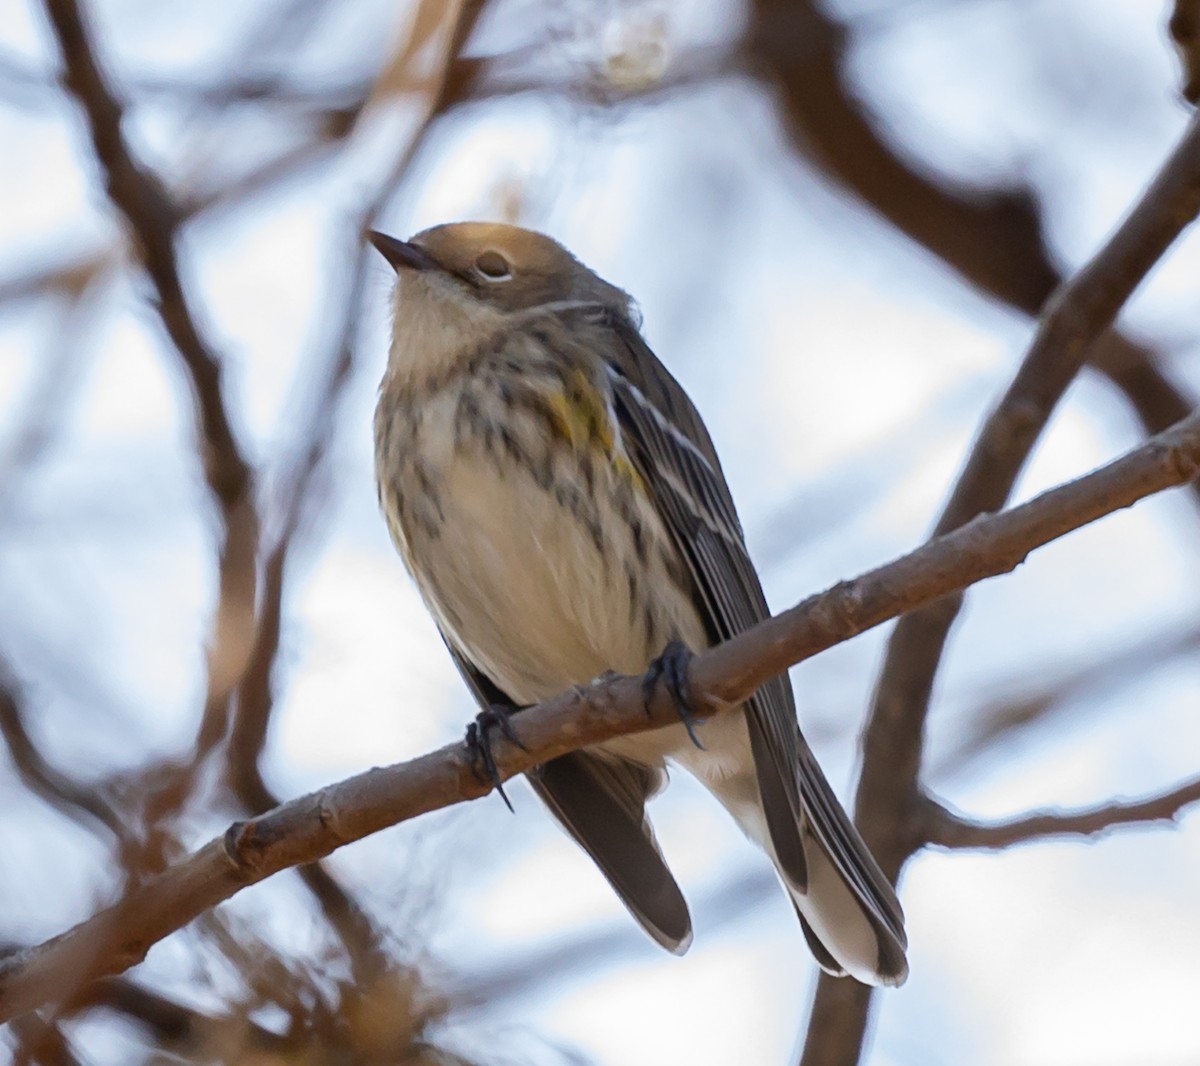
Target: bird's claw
pixel 671 667
pixel 479 744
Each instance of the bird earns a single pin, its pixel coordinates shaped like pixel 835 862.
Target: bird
pixel 560 505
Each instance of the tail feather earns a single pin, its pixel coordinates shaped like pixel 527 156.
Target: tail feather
pixel 819 951
pixel 848 927
pixel 849 912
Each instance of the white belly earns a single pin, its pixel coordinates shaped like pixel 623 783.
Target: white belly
pixel 527 594
pixel 521 587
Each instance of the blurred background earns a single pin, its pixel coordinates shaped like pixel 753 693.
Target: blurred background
pixel 839 219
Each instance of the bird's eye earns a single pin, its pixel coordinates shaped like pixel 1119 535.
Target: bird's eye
pixel 492 266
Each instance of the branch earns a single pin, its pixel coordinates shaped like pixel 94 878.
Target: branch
pixel 1011 714
pixel 989 237
pixel 894 738
pixel 1077 314
pixel 946 829
pixel 41 778
pixel 721 678
pixel 42 1043
pixel 155 222
pixel 993 239
pixel 1185 30
pixel 171 1024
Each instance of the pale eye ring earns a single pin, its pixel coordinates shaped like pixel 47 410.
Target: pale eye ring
pixel 492 266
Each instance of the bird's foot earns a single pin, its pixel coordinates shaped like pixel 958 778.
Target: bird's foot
pixel 479 744
pixel 671 667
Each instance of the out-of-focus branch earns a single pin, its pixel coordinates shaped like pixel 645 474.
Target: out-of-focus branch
pixel 387 1019
pixel 893 744
pixel 154 221
pixel 287 165
pixel 38 423
pixel 172 1024
pixel 42 779
pixel 72 272
pixel 946 829
pixel 254 702
pixel 720 679
pixel 334 112
pixel 993 239
pixel 41 1043
pixel 252 713
pixel 68 278
pixel 1032 703
pixel 1185 29
pixel 1075 316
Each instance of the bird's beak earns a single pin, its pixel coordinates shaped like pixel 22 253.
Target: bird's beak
pixel 403 255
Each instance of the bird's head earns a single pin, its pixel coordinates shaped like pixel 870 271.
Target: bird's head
pixel 504 268
pixel 457 284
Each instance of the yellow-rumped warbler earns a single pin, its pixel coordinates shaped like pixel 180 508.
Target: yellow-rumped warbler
pixel 560 505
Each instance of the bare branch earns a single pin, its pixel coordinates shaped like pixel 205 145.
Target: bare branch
pixel 1029 704
pixel 236 192
pixel 155 220
pixel 894 739
pixel 41 1042
pixel 946 829
pixel 40 777
pixel 989 236
pixel 721 678
pixel 1185 29
pixel 992 238
pixel 254 702
pixel 171 1023
pixel 1075 316
pixel 60 368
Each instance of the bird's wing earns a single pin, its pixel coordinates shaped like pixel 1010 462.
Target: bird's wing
pixel 601 801
pixel 675 456
pixel 678 464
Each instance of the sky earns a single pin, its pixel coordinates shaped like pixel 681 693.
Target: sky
pixel 842 373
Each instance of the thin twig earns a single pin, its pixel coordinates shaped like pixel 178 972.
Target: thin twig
pixel 721 678
pixel 39 423
pixel 1032 702
pixel 945 828
pixel 153 219
pixel 40 777
pixel 171 1023
pixel 154 222
pixel 42 1043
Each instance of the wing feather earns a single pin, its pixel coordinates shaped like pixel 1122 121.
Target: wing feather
pixel 676 457
pixel 601 802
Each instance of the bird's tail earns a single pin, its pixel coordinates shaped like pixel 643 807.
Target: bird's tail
pixel 848 910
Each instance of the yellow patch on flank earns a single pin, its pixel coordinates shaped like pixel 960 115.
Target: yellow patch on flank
pixel 581 417
pixel 563 424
